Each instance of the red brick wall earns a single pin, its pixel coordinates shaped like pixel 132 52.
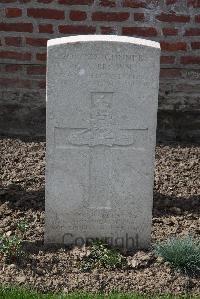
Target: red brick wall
pixel 26 25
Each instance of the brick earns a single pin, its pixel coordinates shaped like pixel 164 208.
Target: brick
pixel 44 1
pixel 187 87
pixel 192 32
pixel 15 83
pixel 190 60
pixel 107 3
pixel 163 17
pixel 13 12
pixel 76 29
pixel 41 56
pixel 134 3
pixel 42 84
pixel 36 70
pixel 139 31
pixel 12 68
pixel 177 46
pixel 76 2
pixel 195 45
pixel 197 19
pixel 194 3
pixel 169 31
pixel 169 2
pixel 15 55
pixel 13 41
pixel 167 59
pixel 77 15
pixel 46 28
pixel 36 42
pixel 7 1
pixel 44 13
pixel 17 27
pixel 107 30
pixel 170 73
pixel 110 16
pixel 139 16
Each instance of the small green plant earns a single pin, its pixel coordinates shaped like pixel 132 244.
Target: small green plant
pixel 11 246
pixel 22 226
pixel 181 253
pixel 103 256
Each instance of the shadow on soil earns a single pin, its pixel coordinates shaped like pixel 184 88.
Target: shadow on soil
pixel 18 198
pixel 172 205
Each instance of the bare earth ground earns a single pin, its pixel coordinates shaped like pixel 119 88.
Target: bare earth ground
pixel 176 212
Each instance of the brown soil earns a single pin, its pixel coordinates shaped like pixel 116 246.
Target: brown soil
pixel 176 212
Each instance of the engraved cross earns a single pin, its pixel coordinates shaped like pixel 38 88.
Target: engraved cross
pixel 102 134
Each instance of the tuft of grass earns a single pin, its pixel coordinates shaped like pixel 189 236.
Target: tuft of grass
pixel 103 256
pixel 11 246
pixel 22 227
pixel 181 253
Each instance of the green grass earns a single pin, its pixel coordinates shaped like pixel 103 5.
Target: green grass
pixel 16 293
pixel 181 253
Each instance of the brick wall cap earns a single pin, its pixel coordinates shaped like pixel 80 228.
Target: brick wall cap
pixel 102 38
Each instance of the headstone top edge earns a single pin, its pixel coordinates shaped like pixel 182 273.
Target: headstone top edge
pixel 103 38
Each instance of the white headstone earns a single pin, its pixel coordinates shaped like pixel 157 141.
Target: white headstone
pixel 102 94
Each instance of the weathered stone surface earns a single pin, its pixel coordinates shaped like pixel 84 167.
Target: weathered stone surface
pixel 101 129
